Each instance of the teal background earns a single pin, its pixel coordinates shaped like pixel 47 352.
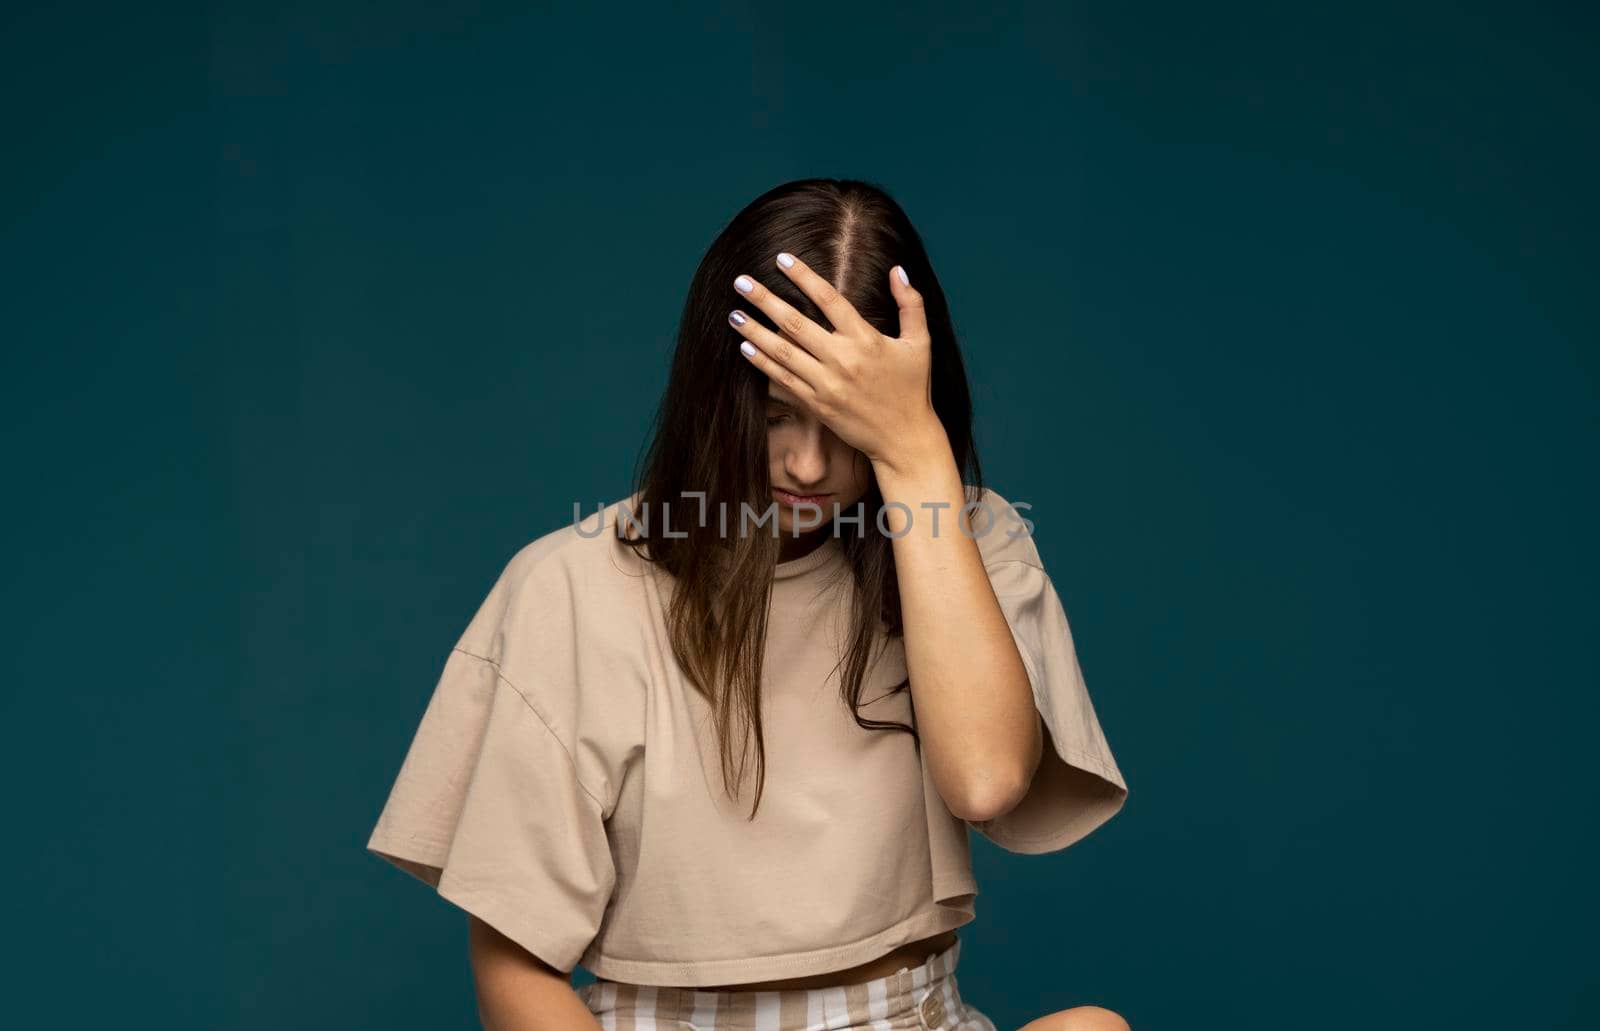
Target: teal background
pixel 1280 316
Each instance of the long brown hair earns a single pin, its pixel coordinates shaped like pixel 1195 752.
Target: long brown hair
pixel 710 436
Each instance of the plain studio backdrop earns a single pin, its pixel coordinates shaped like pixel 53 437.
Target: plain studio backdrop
pixel 1281 318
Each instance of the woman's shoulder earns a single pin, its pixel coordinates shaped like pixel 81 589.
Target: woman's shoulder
pixel 563 592
pixel 587 552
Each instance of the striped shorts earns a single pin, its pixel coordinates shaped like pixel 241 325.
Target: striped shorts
pixel 923 997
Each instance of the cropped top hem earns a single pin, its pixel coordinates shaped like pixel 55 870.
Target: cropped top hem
pixel 925 923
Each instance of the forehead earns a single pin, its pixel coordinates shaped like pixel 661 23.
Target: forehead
pixel 778 393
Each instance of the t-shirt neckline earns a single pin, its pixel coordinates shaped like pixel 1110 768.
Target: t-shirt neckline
pixel 822 553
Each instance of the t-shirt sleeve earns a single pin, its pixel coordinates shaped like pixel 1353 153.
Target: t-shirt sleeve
pixel 1077 786
pixel 488 807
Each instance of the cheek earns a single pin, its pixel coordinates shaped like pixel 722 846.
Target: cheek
pixel 775 446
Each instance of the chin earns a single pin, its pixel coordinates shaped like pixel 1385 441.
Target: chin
pixel 786 525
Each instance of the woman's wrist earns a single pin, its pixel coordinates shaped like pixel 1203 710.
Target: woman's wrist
pixel 920 453
pixel 922 473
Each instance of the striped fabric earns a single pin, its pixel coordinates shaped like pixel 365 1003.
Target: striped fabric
pixel 924 997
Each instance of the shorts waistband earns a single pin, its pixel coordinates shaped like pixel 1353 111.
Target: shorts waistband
pixel 926 991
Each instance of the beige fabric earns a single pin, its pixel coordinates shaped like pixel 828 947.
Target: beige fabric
pixel 564 782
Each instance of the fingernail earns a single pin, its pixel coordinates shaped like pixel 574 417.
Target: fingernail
pixel 900 270
pixel 737 317
pixel 786 259
pixel 747 347
pixel 744 284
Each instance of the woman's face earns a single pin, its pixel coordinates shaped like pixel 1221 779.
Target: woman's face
pixel 805 459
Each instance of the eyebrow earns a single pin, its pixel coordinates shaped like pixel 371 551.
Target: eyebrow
pixel 782 399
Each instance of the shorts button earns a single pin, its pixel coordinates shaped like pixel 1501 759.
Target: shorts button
pixel 933 1009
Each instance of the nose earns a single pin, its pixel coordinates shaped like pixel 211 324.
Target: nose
pixel 806 461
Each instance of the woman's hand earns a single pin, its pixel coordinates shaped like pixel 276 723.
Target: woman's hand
pixel 873 391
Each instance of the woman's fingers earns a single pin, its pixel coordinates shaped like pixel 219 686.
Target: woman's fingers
pixel 840 312
pixel 913 317
pixel 793 367
pixel 790 322
pixel 804 357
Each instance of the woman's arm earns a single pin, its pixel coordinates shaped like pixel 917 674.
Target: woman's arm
pixel 980 728
pixel 518 991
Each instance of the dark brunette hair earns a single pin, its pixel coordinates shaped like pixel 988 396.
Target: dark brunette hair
pixel 710 436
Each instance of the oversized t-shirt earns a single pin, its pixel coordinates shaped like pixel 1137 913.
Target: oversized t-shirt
pixel 565 784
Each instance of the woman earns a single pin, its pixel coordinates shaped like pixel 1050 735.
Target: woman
pixel 731 771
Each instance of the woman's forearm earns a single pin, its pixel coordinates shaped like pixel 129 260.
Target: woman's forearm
pixel 517 991
pixel 975 708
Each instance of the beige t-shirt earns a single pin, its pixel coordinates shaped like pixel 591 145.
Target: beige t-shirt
pixel 565 784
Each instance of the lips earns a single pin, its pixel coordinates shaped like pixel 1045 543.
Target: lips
pixel 799 499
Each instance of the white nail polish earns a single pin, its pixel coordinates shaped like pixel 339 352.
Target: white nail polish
pixel 786 259
pixel 744 284
pixel 900 270
pixel 747 347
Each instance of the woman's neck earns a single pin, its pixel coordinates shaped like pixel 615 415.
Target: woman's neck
pixel 792 547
